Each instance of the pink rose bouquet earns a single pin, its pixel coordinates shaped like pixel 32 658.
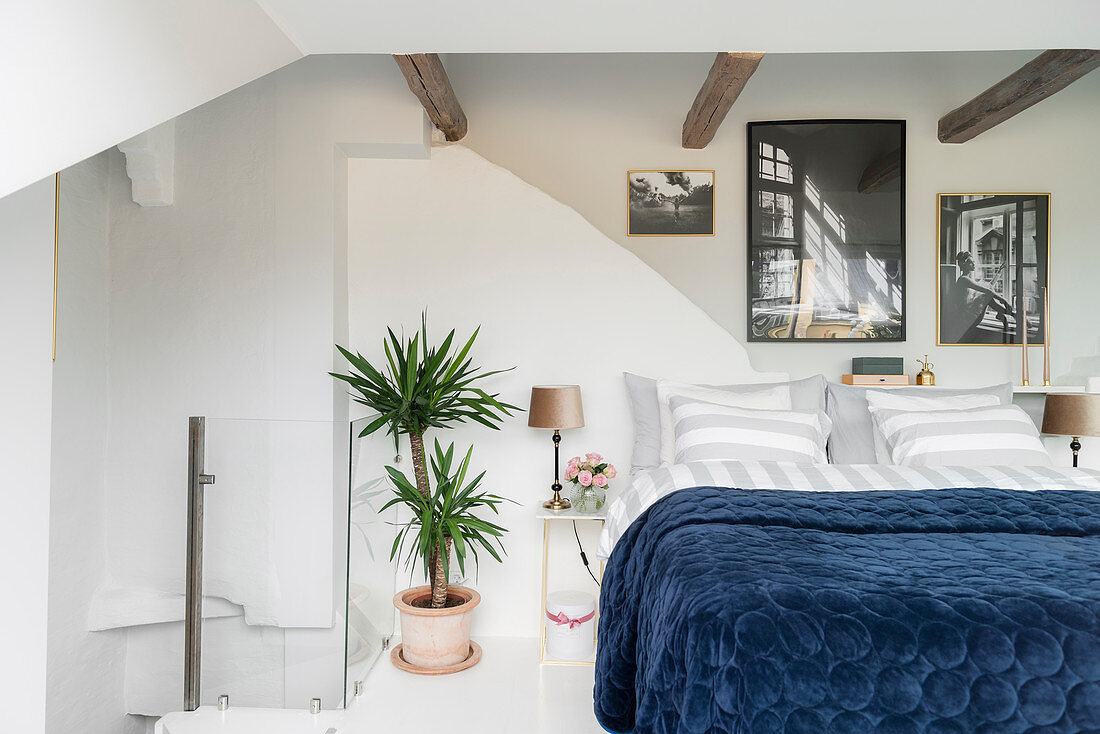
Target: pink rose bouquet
pixel 589 470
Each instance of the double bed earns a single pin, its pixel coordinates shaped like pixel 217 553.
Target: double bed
pixel 746 595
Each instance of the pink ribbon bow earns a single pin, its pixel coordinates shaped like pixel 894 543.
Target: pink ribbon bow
pixel 561 619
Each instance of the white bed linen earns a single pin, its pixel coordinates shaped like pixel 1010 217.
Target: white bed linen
pixel 648 486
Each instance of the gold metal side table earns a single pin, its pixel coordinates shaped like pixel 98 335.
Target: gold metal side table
pixel 570 515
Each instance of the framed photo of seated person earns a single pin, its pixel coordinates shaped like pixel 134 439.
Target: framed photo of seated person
pixel 993 274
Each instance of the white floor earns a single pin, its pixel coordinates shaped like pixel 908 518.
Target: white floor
pixel 507 691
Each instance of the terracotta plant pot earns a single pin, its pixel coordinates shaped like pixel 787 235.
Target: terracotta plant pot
pixel 436 641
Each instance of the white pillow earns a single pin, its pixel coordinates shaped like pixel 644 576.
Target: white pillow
pixel 1003 435
pixel 709 432
pixel 886 400
pixel 775 398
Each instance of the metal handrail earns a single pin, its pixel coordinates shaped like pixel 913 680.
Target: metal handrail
pixel 196 479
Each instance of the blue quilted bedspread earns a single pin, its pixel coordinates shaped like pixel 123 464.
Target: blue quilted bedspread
pixel 933 612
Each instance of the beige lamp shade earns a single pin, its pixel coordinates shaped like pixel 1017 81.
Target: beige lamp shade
pixel 556 406
pixel 1076 414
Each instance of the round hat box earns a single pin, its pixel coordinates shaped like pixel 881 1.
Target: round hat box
pixel 570 624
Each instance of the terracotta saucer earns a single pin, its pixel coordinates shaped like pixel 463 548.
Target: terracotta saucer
pixel 471 660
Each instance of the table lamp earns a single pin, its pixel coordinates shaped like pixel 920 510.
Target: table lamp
pixel 1072 414
pixel 557 407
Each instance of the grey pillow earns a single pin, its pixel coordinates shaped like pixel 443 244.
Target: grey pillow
pixel 806 394
pixel 853 440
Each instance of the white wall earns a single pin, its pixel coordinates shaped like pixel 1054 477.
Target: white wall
pixel 554 297
pixel 573 125
pixel 226 304
pixel 118 67
pixel 222 305
pixel 26 300
pixel 123 66
pixel 84 671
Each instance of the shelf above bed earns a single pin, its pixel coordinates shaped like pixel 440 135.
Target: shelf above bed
pixel 1047 389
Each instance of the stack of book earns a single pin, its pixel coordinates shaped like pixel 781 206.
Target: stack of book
pixel 877 371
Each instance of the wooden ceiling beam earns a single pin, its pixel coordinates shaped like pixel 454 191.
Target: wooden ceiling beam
pixel 881 171
pixel 1046 74
pixel 428 80
pixel 728 76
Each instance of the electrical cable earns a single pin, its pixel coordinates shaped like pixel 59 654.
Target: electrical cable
pixel 584 558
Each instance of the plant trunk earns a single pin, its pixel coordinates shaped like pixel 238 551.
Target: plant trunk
pixel 438 577
pixel 420 466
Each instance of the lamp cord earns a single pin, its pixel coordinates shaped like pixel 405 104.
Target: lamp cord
pixel 584 558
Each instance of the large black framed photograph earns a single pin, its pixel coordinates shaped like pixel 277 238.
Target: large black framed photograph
pixel 826 239
pixel 670 203
pixel 993 257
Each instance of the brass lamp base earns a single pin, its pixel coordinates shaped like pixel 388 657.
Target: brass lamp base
pixel 557 503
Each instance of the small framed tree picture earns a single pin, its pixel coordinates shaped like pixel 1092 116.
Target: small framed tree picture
pixel 670 203
pixel 993 268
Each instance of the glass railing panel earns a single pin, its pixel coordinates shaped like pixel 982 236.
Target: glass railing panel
pixel 274 563
pixel 371 582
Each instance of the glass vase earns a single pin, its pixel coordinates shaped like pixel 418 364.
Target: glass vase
pixel 588 500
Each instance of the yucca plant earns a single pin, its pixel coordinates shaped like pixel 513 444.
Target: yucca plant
pixel 447 516
pixel 425 387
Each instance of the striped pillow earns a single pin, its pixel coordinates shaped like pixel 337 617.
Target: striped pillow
pixel 705 431
pixel 766 397
pixel 884 399
pixel 1002 435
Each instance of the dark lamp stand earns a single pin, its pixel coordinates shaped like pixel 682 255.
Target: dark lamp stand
pixel 1074 415
pixel 557 502
pixel 556 407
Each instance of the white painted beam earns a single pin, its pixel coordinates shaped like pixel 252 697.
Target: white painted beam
pixel 151 165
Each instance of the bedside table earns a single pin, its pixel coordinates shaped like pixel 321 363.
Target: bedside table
pixel 556 516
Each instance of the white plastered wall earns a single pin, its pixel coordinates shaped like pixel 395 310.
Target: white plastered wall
pixel 555 298
pixel 227 304
pixel 222 304
pixel 26 300
pixel 118 67
pixel 598 116
pixel 84 668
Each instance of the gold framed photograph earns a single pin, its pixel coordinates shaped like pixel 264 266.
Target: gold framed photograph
pixel 993 268
pixel 670 203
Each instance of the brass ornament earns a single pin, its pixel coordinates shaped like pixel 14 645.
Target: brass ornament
pixel 926 376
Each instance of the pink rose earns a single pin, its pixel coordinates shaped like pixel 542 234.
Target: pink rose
pixel 575 461
pixel 571 471
pixel 599 480
pixel 593 459
pixel 610 471
pixel 585 478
